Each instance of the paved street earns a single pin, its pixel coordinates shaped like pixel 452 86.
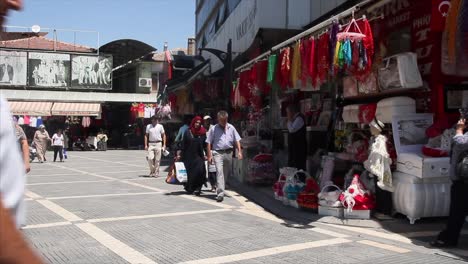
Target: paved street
pixel 97 208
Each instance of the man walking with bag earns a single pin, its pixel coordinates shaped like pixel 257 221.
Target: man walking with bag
pixel 221 139
pixel 155 144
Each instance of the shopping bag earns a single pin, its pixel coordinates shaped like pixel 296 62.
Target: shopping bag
pixel 180 172
pixel 171 176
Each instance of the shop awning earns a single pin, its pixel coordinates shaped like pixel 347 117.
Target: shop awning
pixel 30 108
pixel 183 81
pixel 77 97
pixel 76 109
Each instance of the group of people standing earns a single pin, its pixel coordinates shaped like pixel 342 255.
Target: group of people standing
pixel 199 142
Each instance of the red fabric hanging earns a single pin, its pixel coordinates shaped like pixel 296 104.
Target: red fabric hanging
pixel 368 42
pixel 305 60
pixel 244 81
pixel 312 61
pixel 323 57
pixel 262 71
pixel 284 69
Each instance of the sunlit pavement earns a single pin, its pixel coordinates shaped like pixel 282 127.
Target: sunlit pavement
pixel 98 208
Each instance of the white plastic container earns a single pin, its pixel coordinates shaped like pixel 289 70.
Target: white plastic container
pixel 422 166
pixel 357 214
pixel 331 211
pixel 417 198
pixel 393 106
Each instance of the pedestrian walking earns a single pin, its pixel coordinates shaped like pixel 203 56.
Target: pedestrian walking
pixel 23 144
pixel 459 190
pixel 221 140
pixel 155 144
pixel 193 156
pixel 41 141
pixel 57 144
pixel 207 122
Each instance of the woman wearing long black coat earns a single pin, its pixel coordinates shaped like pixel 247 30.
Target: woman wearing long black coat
pixel 193 156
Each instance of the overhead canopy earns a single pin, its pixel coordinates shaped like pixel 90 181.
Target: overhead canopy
pixel 125 50
pixel 87 97
pixel 76 109
pixel 188 77
pixel 30 108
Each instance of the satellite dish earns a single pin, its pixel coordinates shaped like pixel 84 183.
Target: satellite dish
pixel 36 29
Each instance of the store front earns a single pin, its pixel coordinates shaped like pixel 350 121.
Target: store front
pixel 370 89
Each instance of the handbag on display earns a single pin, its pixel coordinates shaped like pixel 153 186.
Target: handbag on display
pixel 400 71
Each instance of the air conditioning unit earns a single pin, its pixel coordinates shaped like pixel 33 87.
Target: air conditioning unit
pixel 144 82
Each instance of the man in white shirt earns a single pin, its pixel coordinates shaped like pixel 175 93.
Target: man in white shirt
pixel 155 143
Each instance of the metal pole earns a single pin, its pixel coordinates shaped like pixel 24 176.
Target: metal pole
pixel 229 69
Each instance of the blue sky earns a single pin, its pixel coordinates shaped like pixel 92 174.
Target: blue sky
pixel 150 21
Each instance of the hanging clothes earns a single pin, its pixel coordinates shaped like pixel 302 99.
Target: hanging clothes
pixel 335 28
pixel 33 122
pixel 312 61
pixel 347 53
pixel 336 56
pixel 366 51
pixel 20 121
pixel 284 69
pixel 27 120
pixel 323 58
pixel 39 121
pixel 141 110
pixel 272 60
pixel 244 81
pixel 296 64
pixel 86 121
pixel 305 57
pixel 262 72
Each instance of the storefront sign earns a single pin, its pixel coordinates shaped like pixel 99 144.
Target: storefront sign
pixel 92 72
pixel 49 69
pixel 13 67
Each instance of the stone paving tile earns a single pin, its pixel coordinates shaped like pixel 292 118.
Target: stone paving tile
pixel 84 189
pixel 413 258
pixel 133 205
pixel 176 239
pixel 62 178
pixel 38 214
pixel 68 244
pixel 128 173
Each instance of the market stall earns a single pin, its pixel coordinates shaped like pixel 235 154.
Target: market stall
pixel 370 86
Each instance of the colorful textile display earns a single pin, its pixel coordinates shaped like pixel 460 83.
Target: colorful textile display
pixel 284 69
pixel 323 55
pixel 272 60
pixel 296 66
pixel 312 61
pixel 357 197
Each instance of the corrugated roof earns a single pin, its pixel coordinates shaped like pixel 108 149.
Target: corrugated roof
pixel 42 43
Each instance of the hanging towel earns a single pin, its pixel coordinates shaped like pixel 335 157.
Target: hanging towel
pixel 272 60
pixel 262 72
pixel 336 56
pixel 348 53
pixel 296 64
